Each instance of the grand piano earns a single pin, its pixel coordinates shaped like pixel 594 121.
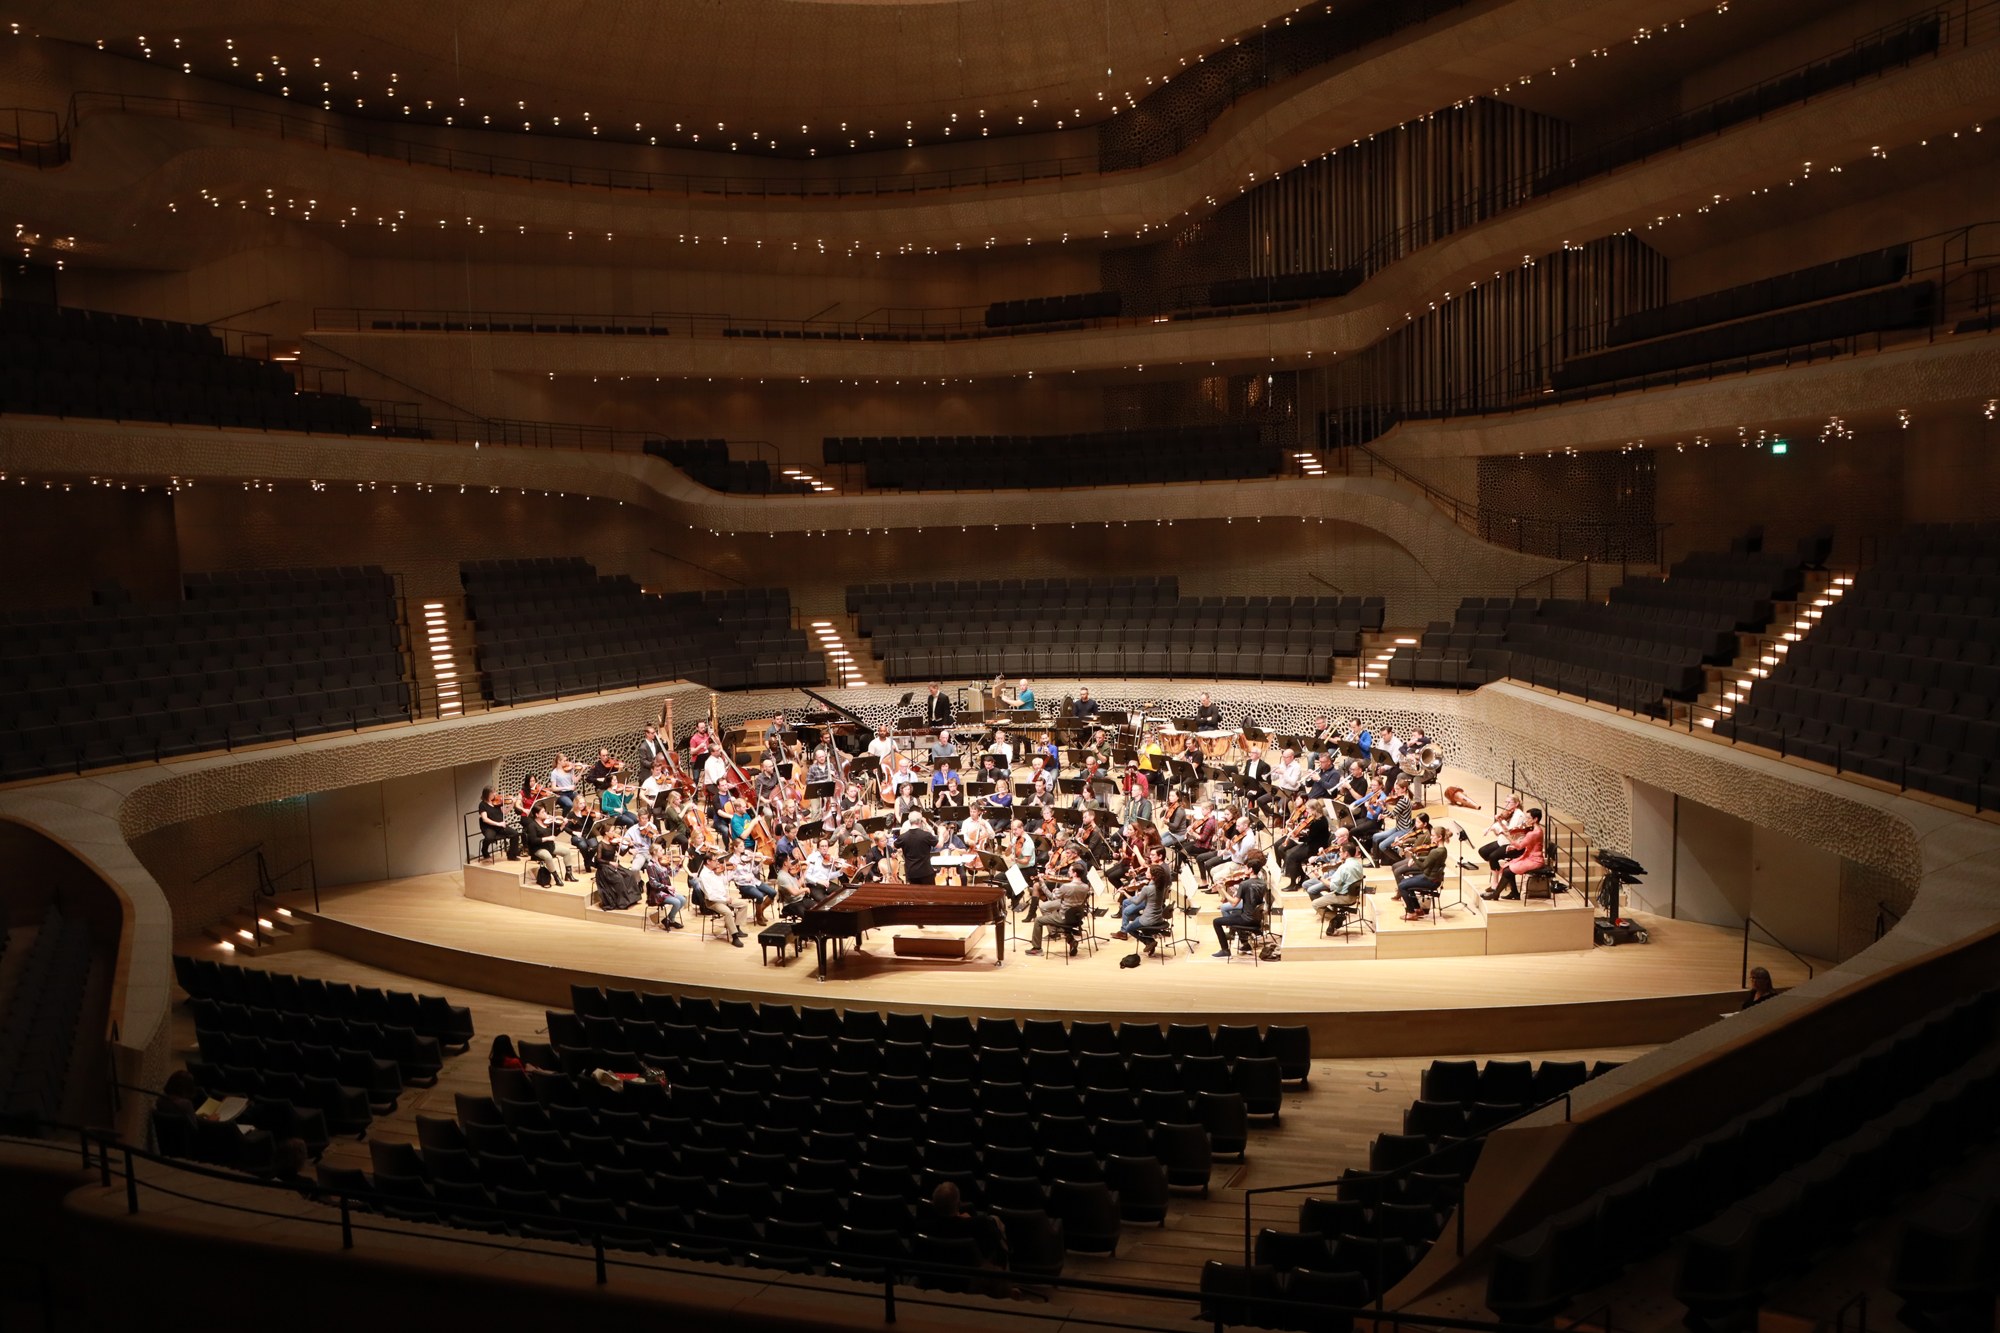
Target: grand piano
pixel 863 907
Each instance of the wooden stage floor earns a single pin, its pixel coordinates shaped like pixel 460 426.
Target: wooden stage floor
pixel 1687 976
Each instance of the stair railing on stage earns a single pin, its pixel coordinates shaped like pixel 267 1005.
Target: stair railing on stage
pixel 1748 922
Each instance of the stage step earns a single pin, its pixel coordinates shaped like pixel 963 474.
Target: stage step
pixel 275 931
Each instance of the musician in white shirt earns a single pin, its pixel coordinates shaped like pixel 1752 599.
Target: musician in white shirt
pixel 883 745
pixel 1002 747
pixel 1289 774
pixel 721 895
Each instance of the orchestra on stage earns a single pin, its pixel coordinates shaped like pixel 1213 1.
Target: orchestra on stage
pixel 826 827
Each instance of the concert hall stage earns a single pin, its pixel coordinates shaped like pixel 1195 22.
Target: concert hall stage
pixel 1391 1003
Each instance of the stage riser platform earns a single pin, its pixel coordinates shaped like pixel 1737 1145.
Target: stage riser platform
pixel 500 884
pixel 1153 990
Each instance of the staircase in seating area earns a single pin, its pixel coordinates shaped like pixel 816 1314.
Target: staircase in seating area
pixel 445 670
pixel 1757 654
pixel 831 630
pixel 276 930
pixel 1370 671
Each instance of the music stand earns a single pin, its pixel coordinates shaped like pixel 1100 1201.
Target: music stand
pixel 821 791
pixel 975 787
pixel 904 702
pixel 863 763
pixel 1070 786
pixel 953 813
pixel 1024 791
pixel 875 823
pixel 1112 717
pixel 1105 788
pixel 1069 816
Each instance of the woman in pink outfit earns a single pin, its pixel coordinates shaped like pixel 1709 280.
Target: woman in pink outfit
pixel 1528 856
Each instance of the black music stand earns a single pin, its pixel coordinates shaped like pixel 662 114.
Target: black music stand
pixel 1112 717
pixel 953 813
pixel 1024 791
pixel 875 823
pixel 821 791
pixel 1070 786
pixel 864 763
pixel 975 787
pixel 1069 816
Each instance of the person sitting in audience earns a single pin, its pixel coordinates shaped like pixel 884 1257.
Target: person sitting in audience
pixel 1527 856
pixel 1760 988
pixel 493 826
pixel 1242 902
pixel 944 1217
pixel 721 897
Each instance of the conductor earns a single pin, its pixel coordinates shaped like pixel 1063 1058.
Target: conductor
pixel 917 843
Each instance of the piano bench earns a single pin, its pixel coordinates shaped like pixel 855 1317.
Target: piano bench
pixel 777 935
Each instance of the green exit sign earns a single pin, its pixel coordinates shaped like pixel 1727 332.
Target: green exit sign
pixel 1781 446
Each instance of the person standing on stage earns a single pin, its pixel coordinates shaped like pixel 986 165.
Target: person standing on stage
pixel 917 843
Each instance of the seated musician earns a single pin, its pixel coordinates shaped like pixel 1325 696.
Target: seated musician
pixel 1140 907
pixel 1399 823
pixel 945 788
pixel 1243 899
pixel 1173 820
pixel 601 774
pixel 883 746
pixel 1045 746
pixel 1388 750
pixel 937 708
pixel 714 772
pixel 1002 797
pixel 850 801
pixel 1338 875
pixel 493 825
pixel 671 818
pixel 530 796
pixel 976 832
pixel 823 870
pixel 656 785
pixel 1288 775
pixel 1017 847
pixel 1065 901
pixel 1098 849
pixel 1002 749
pixel 918 843
pixel 720 896
pixel 1370 812
pixel 1306 837
pixel 746 872
pixel 1092 796
pixel 1231 856
pixel 640 837
pixel 1325 781
pixel 1085 707
pixel 538 833
pixel 878 861
pixel 582 827
pixel 1042 778
pixel 766 783
pixel 1207 716
pixel 1526 855
pixel 1255 765
pixel 908 800
pixel 775 737
pixel 820 768
pixel 1424 875
pixel 652 750
pixel 562 782
pixel 660 868
pixel 1194 757
pixel 1135 791
pixel 943 747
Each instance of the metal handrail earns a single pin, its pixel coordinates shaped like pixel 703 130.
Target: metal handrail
pixel 901 1279
pixel 1398 1173
pixel 1748 922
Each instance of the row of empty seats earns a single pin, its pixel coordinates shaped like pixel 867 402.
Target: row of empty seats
pixel 708 462
pixel 62 361
pixel 243 657
pixel 1226 451
pixel 1897 679
pixel 554 626
pixel 39 1017
pixel 1653 641
pixel 1101 628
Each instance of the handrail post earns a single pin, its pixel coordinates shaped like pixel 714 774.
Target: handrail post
pixel 346 1224
pixel 131 1183
pixel 1745 982
pixel 597 1246
pixel 888 1295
